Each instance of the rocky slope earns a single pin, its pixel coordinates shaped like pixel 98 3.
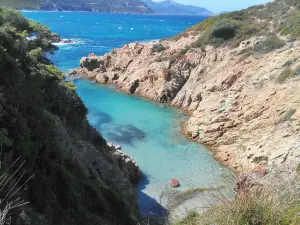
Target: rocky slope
pixel 119 6
pixel 77 177
pixel 240 88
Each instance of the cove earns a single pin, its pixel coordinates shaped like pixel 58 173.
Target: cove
pixel 149 132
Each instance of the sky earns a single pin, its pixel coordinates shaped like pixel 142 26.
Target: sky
pixel 217 6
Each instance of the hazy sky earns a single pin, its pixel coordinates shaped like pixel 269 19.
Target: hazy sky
pixel 221 5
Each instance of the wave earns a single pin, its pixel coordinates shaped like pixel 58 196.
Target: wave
pixel 75 42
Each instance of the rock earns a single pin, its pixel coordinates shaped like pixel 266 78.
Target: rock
pixel 175 183
pixel 134 86
pixel 248 182
pixel 102 79
pixel 126 164
pixel 226 99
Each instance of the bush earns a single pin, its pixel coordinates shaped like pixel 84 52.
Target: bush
pixel 285 74
pixel 13 18
pixel 288 115
pixel 158 48
pixel 71 86
pixel 269 45
pixel 292 26
pixel 225 29
pixel 55 72
pixel 297 70
pixel 184 50
pixel 260 159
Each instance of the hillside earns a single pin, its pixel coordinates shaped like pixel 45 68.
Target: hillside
pixel 44 133
pixel 237 74
pixel 173 8
pixel 119 6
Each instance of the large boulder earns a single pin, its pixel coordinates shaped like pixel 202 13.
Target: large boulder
pixel 126 164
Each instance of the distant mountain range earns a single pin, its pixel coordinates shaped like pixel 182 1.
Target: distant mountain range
pixel 119 6
pixel 171 7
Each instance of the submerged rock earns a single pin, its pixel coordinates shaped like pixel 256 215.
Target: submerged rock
pixel 175 183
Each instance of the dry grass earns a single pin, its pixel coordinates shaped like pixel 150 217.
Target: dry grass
pixel 10 185
pixel 277 204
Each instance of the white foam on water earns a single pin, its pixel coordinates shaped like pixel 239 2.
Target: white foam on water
pixel 76 42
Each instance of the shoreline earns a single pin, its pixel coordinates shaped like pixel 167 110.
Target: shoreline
pixel 218 90
pixel 182 123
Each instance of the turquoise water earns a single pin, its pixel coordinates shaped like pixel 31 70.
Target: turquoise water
pixel 149 132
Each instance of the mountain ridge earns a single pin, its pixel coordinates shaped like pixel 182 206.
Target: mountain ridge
pixel 117 6
pixel 174 8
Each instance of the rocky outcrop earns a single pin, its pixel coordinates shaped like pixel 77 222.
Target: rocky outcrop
pixel 236 104
pixel 125 163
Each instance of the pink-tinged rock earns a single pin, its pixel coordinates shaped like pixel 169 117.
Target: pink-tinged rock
pixel 175 183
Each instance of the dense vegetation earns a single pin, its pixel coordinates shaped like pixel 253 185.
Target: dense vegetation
pixel 130 6
pixel 262 20
pixel 43 121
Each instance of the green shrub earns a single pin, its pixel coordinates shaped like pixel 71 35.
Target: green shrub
pixel 172 58
pixel 285 74
pixel 260 159
pixel 13 18
pixel 36 54
pixel 55 72
pixel 269 45
pixel 298 169
pixel 297 70
pixel 292 26
pixel 114 51
pixel 71 86
pixel 184 50
pixel 158 48
pixel 225 29
pixel 288 115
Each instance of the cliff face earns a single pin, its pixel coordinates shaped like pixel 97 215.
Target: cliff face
pixel 240 88
pixel 119 6
pixel 78 178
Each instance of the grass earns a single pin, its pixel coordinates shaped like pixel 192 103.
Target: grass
pixel 269 45
pixel 285 74
pixel 278 204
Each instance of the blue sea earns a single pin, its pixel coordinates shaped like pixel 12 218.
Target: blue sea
pixel 149 132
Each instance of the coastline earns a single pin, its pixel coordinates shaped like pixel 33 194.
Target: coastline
pixel 183 124
pixel 219 89
pixel 205 185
